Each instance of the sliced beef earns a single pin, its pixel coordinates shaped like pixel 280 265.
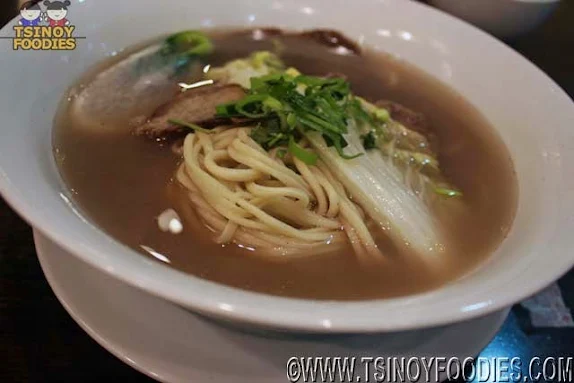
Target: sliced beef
pixel 416 122
pixel 409 118
pixel 196 106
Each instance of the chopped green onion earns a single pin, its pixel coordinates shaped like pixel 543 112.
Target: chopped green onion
pixel 265 58
pixel 190 126
pixel 273 104
pixel 292 72
pixel 189 43
pixel 276 139
pixel 369 140
pixel 382 115
pixel 252 106
pixel 342 154
pixel 448 192
pixel 284 114
pixel 227 110
pixel 292 120
pixel 297 151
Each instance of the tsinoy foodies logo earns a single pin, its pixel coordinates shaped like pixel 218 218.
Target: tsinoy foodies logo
pixel 44 26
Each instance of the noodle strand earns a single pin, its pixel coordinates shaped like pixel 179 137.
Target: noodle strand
pixel 266 201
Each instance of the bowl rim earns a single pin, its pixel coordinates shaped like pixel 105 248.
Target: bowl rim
pixel 311 316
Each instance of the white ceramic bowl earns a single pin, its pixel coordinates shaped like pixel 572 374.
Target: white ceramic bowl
pixel 533 115
pixel 503 18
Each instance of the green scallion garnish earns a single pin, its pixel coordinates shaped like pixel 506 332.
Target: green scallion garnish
pixel 189 125
pixel 284 114
pixel 190 43
pixel 446 192
pixel 369 140
pixel 297 151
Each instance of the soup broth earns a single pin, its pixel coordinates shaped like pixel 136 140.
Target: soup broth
pixel 123 182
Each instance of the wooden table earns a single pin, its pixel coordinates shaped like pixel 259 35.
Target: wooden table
pixel 39 342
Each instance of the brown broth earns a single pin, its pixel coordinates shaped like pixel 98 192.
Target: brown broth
pixel 120 182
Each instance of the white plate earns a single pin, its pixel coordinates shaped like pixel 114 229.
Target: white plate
pixel 170 344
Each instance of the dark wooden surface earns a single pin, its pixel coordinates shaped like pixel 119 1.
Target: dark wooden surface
pixel 39 342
